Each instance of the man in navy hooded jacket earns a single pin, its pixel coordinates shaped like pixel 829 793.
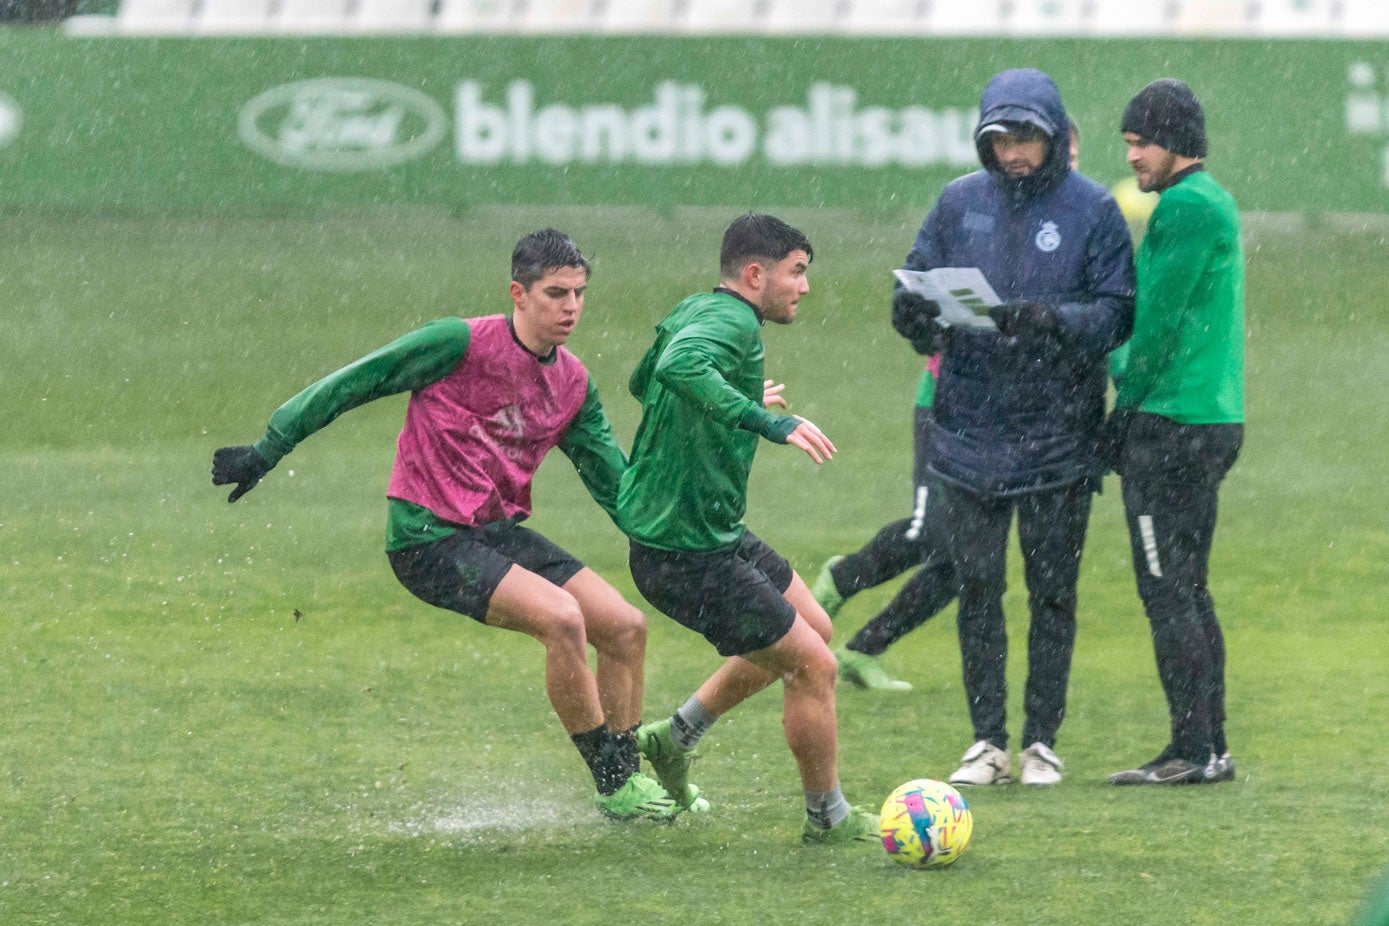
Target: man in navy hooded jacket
pixel 1019 410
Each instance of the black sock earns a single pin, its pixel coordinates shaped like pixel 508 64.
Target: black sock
pixel 627 751
pixel 835 580
pixel 602 751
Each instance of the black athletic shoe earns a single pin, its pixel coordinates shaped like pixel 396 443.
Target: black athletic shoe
pixel 1165 771
pixel 1139 776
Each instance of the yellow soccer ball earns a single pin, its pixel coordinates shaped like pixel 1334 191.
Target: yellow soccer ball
pixel 925 824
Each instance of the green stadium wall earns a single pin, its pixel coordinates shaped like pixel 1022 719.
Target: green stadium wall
pixel 739 122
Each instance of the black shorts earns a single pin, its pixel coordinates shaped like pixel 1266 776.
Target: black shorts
pixel 733 597
pixel 462 571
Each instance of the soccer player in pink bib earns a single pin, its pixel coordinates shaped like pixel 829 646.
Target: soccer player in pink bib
pixel 489 397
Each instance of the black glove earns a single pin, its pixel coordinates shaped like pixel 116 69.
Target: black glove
pixel 914 317
pixel 1023 319
pixel 241 465
pixel 1113 434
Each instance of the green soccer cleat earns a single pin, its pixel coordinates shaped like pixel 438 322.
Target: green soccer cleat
pixel 638 798
pixel 824 590
pixel 671 764
pixel 859 826
pixel 866 671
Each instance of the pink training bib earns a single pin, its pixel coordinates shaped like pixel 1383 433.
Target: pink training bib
pixel 473 440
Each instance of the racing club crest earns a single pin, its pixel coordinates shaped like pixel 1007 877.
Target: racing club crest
pixel 1049 238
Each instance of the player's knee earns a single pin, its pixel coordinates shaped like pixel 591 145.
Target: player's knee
pixel 563 623
pixel 817 669
pixel 825 669
pixel 628 634
pixel 833 668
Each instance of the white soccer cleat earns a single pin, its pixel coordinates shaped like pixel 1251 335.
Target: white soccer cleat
pixel 983 764
pixel 1040 766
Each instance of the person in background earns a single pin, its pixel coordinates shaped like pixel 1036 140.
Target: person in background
pixel 1178 422
pixel 1019 408
pixel 914 542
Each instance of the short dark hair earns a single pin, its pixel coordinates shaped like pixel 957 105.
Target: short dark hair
pixel 754 237
pixel 542 251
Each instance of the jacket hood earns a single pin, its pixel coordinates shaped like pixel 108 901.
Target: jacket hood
pixel 1028 96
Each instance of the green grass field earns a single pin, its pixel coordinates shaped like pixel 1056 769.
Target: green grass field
pixel 233 714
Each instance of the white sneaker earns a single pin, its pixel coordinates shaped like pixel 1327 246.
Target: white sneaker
pixel 983 764
pixel 1040 766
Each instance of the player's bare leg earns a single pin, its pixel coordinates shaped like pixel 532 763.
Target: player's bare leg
pixel 738 679
pixel 617 632
pixel 732 683
pixel 669 744
pixel 526 603
pixel 807 669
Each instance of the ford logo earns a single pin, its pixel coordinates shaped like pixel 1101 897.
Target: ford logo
pixel 342 124
pixel 10 119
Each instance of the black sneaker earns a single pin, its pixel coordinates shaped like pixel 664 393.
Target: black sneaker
pixel 1139 776
pixel 1164 771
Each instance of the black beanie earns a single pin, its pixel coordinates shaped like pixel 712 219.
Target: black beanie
pixel 1168 114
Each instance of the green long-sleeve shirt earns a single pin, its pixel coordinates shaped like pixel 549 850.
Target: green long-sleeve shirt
pixel 410 363
pixel 1185 360
pixel 700 386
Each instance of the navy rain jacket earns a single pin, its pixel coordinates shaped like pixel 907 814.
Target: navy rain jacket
pixel 1017 415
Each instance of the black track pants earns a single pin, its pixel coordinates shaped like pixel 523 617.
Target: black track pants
pixel 917 541
pixel 1171 475
pixel 1051 531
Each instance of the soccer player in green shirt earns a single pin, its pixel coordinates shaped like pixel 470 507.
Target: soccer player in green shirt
pixel 1178 421
pixel 682 502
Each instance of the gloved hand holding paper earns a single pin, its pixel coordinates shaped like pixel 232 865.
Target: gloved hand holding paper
pixel 962 293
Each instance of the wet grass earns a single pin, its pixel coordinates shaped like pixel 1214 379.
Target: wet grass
pixel 234 715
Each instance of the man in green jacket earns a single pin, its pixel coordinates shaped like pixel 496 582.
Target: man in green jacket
pixel 1178 421
pixel 682 501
